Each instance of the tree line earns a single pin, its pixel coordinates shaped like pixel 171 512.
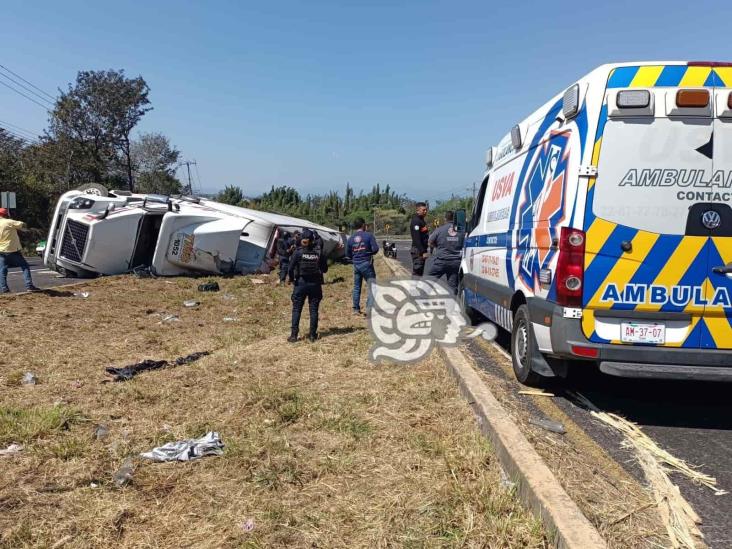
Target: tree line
pixel 386 211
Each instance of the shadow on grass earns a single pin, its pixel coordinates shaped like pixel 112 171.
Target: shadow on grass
pixel 340 331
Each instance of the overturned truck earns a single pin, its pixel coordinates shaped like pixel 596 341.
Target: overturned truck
pixel 94 235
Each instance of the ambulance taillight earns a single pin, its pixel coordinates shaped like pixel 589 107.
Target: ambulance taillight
pixel 570 267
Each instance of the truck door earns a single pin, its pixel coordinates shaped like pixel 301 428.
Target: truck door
pixel 715 216
pixel 645 270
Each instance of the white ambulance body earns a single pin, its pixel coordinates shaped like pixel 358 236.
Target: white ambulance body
pixel 603 228
pixel 106 235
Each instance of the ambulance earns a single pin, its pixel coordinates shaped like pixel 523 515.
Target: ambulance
pixel 602 230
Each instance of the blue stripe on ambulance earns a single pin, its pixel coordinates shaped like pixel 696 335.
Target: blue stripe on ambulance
pixel 607 257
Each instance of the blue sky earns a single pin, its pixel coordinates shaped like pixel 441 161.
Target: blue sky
pixel 315 94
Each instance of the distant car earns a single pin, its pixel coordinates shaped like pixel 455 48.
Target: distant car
pixel 41 248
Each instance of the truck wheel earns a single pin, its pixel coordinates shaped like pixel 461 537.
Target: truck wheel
pixel 473 316
pixel 94 189
pixel 523 348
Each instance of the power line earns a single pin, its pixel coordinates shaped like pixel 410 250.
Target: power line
pixel 26 88
pixel 44 107
pixel 29 83
pixel 17 136
pixel 19 129
pixel 198 176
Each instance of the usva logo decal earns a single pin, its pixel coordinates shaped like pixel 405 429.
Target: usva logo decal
pixel 678 296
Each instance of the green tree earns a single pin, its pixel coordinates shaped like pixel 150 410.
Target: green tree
pixel 92 123
pixel 154 161
pixel 231 195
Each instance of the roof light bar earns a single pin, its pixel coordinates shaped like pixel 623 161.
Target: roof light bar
pixel 570 102
pixel 729 101
pixel 694 99
pixel 634 99
pixel 708 64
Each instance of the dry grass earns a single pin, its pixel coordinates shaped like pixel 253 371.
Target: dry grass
pixel 322 448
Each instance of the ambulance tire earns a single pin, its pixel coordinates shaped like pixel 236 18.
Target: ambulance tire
pixel 523 348
pixel 473 316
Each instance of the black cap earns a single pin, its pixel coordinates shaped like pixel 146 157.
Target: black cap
pixel 307 234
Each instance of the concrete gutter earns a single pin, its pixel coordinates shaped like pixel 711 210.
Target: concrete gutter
pixel 538 488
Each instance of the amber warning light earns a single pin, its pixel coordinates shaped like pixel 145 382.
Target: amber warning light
pixel 692 98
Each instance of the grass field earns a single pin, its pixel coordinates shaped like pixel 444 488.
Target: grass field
pixel 323 449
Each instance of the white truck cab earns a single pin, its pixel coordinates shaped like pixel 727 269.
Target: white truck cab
pixel 603 228
pixel 92 235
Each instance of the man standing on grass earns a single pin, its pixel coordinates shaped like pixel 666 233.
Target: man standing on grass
pixel 420 232
pixel 307 266
pixel 285 249
pixel 361 248
pixel 448 243
pixel 10 255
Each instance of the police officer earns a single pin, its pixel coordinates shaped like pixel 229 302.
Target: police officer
pixel 285 249
pixel 447 244
pixel 420 234
pixel 307 266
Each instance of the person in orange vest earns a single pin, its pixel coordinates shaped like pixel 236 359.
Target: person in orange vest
pixel 10 255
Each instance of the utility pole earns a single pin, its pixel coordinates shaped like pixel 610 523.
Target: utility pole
pixel 189 189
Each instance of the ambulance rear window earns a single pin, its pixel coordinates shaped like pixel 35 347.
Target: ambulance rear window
pixel 653 168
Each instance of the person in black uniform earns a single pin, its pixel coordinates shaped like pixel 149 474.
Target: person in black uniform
pixel 307 266
pixel 285 249
pixel 420 235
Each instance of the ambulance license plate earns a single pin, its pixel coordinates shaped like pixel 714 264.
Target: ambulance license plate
pixel 636 332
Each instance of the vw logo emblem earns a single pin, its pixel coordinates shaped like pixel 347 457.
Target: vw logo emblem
pixel 711 219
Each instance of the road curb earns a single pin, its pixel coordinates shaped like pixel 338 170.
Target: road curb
pixel 538 488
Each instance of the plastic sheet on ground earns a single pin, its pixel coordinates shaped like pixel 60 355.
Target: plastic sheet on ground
pixel 186 450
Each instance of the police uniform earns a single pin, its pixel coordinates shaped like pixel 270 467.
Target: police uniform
pixel 420 233
pixel 448 243
pixel 283 251
pixel 306 271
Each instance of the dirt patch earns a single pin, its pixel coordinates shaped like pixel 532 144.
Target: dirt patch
pixel 322 448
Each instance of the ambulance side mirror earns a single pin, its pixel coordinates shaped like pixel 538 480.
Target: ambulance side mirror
pixel 461 224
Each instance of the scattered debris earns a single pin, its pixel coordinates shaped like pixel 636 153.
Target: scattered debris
pixel 680 519
pixel 549 425
pixel 186 450
pixel 257 281
pixel 143 272
pixel 93 485
pixel 12 449
pixel 191 303
pixel 30 379
pixel 506 482
pixel 82 295
pixel 536 393
pixel 101 432
pixel 211 286
pixel 128 372
pixel 170 318
pixel 248 525
pixel 230 319
pixel 77 384
pixel 123 476
pixel 228 297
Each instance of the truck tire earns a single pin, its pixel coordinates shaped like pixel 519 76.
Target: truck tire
pixel 524 348
pixel 94 189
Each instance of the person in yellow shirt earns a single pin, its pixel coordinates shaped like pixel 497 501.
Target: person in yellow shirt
pixel 10 255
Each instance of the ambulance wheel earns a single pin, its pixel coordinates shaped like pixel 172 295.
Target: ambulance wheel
pixel 523 347
pixel 473 315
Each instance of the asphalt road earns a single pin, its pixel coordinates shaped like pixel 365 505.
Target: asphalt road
pixel 42 277
pixel 692 420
